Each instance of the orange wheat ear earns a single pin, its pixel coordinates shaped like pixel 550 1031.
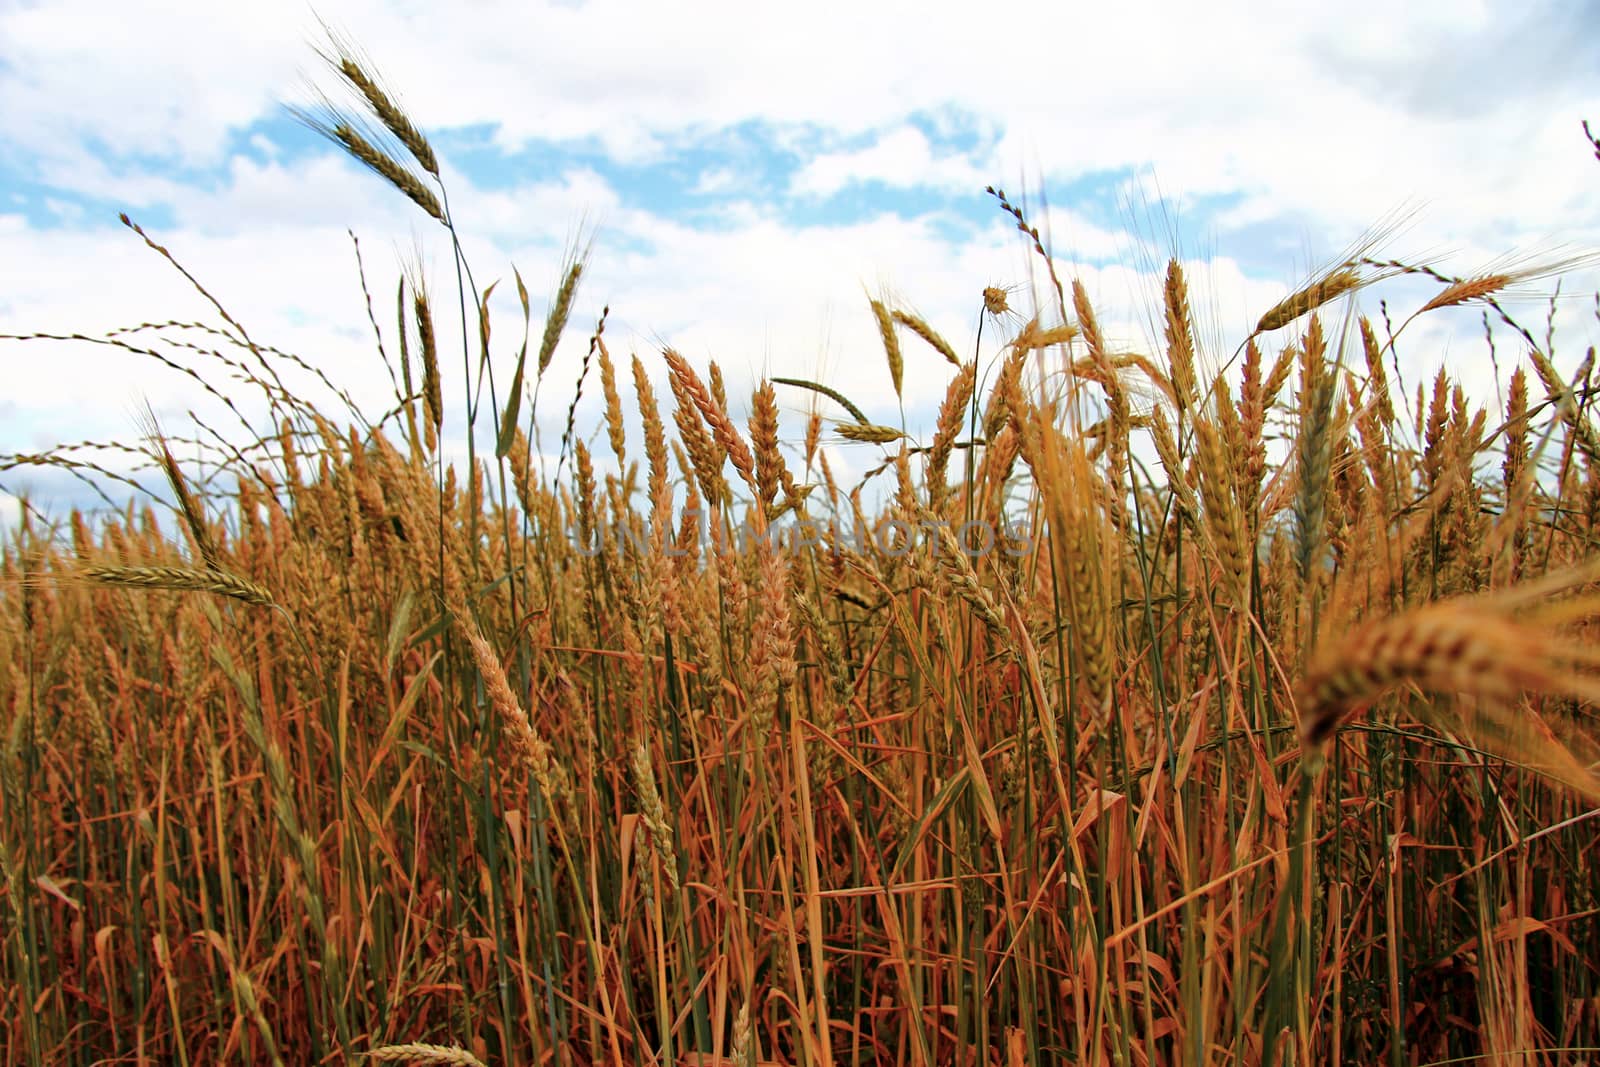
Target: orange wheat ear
pixel 1474 647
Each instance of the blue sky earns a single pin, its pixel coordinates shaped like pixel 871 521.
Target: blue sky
pixel 748 172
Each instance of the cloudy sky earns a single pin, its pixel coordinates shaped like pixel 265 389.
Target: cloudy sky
pixel 749 172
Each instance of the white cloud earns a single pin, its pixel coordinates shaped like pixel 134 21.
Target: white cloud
pixel 715 181
pixel 1308 125
pixel 900 159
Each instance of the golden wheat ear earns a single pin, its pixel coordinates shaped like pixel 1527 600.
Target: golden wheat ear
pixel 1472 649
pixel 182 579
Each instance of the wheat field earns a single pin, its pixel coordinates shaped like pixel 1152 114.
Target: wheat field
pixel 1160 707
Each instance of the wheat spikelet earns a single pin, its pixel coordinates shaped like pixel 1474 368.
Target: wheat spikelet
pixel 1006 399
pixel 1562 394
pixel 1080 547
pixel 995 300
pixel 1089 326
pixel 409 396
pixel 1172 464
pixel 1465 290
pixel 655 813
pixel 919 326
pixel 614 424
pixel 584 466
pixel 891 344
pixel 529 748
pixel 181 579
pixel 82 539
pixel 432 398
pixel 1377 378
pixel 770 469
pixel 743 1052
pixel 1223 520
pixel 813 437
pixel 1516 435
pixel 522 472
pixel 687 384
pixel 1032 338
pixel 385 165
pixel 655 438
pixel 705 459
pixel 425 1055
pixel 958 570
pixel 1314 447
pixel 869 433
pixel 1233 442
pixel 719 389
pixel 832 394
pixel 772 641
pixel 1468 647
pixel 1180 337
pixel 289 454
pixel 1251 463
pixel 188 507
pixel 1310 298
pixel 952 413
pixel 393 119
pixel 560 311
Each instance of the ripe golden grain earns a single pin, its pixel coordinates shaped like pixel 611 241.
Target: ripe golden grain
pixel 608 385
pixel 891 344
pixel 953 413
pixel 1468 289
pixel 688 386
pixel 384 165
pixel 182 579
pixel 1467 647
pixel 770 469
pixel 560 311
pixel 1180 336
pixel 654 812
pixel 919 326
pixel 425 1055
pixel 869 433
pixel 995 300
pixel 392 117
pixel 432 398
pixel 1310 298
